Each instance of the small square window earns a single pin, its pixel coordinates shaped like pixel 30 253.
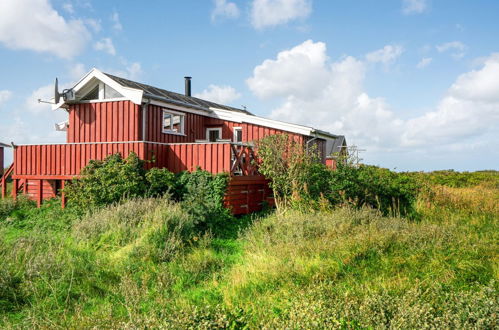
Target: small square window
pixel 173 122
pixel 213 134
pixel 238 134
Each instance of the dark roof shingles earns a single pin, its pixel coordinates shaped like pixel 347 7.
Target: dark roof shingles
pixel 155 91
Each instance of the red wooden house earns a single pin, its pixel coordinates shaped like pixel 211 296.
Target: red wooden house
pixel 109 114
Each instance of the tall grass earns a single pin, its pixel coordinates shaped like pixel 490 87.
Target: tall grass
pixel 144 263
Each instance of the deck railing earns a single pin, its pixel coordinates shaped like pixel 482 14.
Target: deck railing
pixel 63 161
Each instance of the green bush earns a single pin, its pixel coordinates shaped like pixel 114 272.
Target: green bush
pixel 160 182
pixel 364 185
pixel 456 179
pixel 202 196
pixel 109 181
pixel 9 206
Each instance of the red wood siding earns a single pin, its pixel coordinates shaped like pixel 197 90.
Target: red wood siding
pixel 330 162
pixel 49 189
pixel 104 122
pixel 195 128
pixel 66 159
pixel 247 194
pixel 212 157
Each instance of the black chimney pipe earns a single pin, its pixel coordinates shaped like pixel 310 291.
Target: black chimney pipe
pixel 188 86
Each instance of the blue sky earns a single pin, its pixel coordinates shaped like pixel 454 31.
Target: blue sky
pixel 414 82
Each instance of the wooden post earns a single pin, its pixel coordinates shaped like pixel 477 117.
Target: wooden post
pixel 40 193
pixel 63 196
pixel 25 186
pixel 4 187
pixel 1 161
pixel 15 186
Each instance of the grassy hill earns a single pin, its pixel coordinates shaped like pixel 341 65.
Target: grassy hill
pixel 143 264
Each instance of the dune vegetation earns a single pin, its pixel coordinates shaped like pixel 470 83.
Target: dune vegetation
pixel 162 262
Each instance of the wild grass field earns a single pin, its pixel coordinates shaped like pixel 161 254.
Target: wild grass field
pixel 143 264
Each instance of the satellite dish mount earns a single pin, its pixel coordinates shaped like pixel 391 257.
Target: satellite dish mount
pixel 67 94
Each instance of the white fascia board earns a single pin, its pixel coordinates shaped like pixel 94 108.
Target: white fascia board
pixel 250 119
pixel 132 94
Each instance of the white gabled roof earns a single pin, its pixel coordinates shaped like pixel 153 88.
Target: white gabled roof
pixel 132 94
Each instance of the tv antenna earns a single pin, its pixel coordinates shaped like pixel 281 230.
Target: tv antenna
pixel 67 94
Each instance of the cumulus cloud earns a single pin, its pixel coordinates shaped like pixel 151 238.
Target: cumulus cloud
pixel 67 6
pixel 457 48
pixel 4 96
pixel 224 8
pixel 132 71
pixel 414 6
pixel 115 19
pixel 219 94
pixel 36 25
pixel 386 55
pixel 45 93
pixel 424 62
pixel 298 71
pixel 341 105
pixel 106 45
pixel 268 13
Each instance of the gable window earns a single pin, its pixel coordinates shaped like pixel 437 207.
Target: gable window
pixel 173 122
pixel 238 134
pixel 213 134
pixel 101 91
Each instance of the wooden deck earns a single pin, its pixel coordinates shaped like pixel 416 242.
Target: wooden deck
pixel 40 171
pixel 65 161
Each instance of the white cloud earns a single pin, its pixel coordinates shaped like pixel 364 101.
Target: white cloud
pixel 76 71
pixel 457 48
pixel 132 71
pixel 387 54
pixel 267 13
pixel 115 18
pixel 67 6
pixel 4 96
pixel 340 104
pixel 94 24
pixel 414 6
pixel 299 71
pixel 224 8
pixel 45 93
pixel 36 25
pixel 219 94
pixel 106 45
pixel 425 61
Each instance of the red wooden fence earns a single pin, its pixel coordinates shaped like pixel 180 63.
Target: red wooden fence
pixel 63 161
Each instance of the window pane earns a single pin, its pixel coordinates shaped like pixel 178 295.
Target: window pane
pixel 239 135
pixel 177 123
pixel 214 135
pixel 167 120
pixel 110 93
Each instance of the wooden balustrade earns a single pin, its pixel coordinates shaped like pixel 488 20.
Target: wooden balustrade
pixel 64 161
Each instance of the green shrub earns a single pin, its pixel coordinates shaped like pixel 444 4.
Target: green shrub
pixel 456 179
pixel 160 182
pixel 202 196
pixel 109 181
pixel 295 173
pixel 364 185
pixel 9 206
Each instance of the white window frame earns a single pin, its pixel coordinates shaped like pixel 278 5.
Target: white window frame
pixel 174 113
pixel 209 129
pixel 236 129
